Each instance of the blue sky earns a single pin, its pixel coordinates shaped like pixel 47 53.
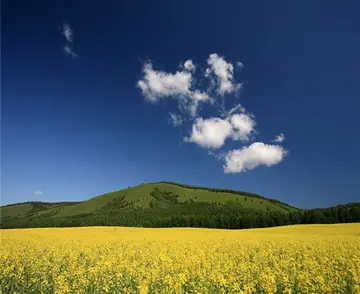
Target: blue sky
pixel 88 88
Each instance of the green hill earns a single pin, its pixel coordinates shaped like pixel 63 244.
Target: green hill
pixel 143 196
pixel 158 204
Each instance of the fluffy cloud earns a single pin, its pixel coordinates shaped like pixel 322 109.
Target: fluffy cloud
pixel 221 74
pixel 252 156
pixel 189 65
pixel 160 84
pixel 157 84
pixel 68 33
pixel 175 119
pixel 242 125
pixel 37 193
pixel 234 124
pixel 212 132
pixel 279 139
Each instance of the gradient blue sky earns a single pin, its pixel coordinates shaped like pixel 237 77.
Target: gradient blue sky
pixel 74 128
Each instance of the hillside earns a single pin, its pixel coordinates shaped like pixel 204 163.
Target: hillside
pixel 143 196
pixel 160 204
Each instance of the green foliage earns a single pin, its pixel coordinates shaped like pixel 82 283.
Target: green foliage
pixel 196 214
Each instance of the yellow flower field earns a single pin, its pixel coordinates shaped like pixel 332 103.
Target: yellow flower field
pixel 292 259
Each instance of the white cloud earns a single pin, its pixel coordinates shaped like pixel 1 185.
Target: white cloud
pixel 69 51
pixel 219 156
pixel 279 139
pixel 199 96
pixel 175 119
pixel 68 33
pixel 252 156
pixel 212 132
pixel 234 124
pixel 193 107
pixel 238 107
pixel 37 193
pixel 221 74
pixel 157 84
pixel 242 125
pixel 189 65
pixel 239 65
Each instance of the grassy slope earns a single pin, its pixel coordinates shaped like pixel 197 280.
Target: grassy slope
pixel 140 197
pixel 33 208
pixel 16 210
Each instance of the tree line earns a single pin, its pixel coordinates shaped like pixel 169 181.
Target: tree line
pixel 193 214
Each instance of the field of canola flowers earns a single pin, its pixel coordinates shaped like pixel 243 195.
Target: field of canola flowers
pixel 292 259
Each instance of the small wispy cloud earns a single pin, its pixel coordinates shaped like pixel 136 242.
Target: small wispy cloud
pixel 189 65
pixel 69 51
pixel 279 139
pixel 220 156
pixel 175 119
pixel 37 193
pixel 239 65
pixel 68 34
pixel 236 108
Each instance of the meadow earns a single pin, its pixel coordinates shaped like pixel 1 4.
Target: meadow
pixel 289 259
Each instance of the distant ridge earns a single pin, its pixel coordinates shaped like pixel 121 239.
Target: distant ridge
pixel 170 204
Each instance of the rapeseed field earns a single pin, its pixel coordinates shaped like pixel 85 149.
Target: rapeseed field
pixel 292 259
